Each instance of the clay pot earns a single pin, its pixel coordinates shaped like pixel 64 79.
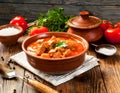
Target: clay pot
pixel 86 26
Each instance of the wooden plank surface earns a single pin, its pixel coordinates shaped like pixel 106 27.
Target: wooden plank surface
pixel 90 82
pixel 75 2
pixel 110 67
pixel 102 79
pixel 30 9
pixel 110 70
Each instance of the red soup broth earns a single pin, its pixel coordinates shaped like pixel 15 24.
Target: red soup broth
pixel 71 47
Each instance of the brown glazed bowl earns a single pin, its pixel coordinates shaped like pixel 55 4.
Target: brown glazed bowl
pixel 9 34
pixel 55 65
pixel 86 26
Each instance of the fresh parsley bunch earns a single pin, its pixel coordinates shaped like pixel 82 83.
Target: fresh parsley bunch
pixel 54 19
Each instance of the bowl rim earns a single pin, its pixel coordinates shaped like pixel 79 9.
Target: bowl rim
pixel 11 25
pixel 66 58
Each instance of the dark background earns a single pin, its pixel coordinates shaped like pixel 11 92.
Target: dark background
pixel 30 9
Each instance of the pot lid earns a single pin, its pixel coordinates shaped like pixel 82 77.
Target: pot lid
pixel 84 21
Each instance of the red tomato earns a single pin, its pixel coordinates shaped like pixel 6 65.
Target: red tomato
pixel 38 30
pixel 20 21
pixel 112 35
pixel 105 25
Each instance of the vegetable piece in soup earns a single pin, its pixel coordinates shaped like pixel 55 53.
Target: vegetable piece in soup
pixel 55 47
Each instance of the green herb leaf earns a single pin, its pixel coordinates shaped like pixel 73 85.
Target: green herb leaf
pixel 60 44
pixel 54 19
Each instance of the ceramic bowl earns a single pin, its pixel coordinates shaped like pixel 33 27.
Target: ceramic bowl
pixel 55 65
pixel 9 34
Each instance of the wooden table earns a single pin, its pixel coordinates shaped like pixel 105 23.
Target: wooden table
pixel 102 79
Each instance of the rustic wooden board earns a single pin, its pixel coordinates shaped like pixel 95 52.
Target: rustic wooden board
pixel 89 82
pixel 10 85
pixel 75 2
pixel 31 9
pixel 102 79
pixel 34 1
pixel 111 71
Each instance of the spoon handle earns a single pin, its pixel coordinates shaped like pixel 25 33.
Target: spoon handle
pixel 39 86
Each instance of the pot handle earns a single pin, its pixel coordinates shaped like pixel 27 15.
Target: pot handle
pixel 85 15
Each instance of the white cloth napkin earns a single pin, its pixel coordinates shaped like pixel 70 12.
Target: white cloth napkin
pixel 89 63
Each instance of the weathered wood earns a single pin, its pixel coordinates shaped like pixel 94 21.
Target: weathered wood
pixel 10 85
pixel 33 1
pixel 75 2
pixel 111 71
pixel 30 9
pixel 102 79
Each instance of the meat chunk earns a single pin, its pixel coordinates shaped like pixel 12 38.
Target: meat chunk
pixel 70 44
pixel 41 49
pixel 67 53
pixel 53 40
pixel 56 53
